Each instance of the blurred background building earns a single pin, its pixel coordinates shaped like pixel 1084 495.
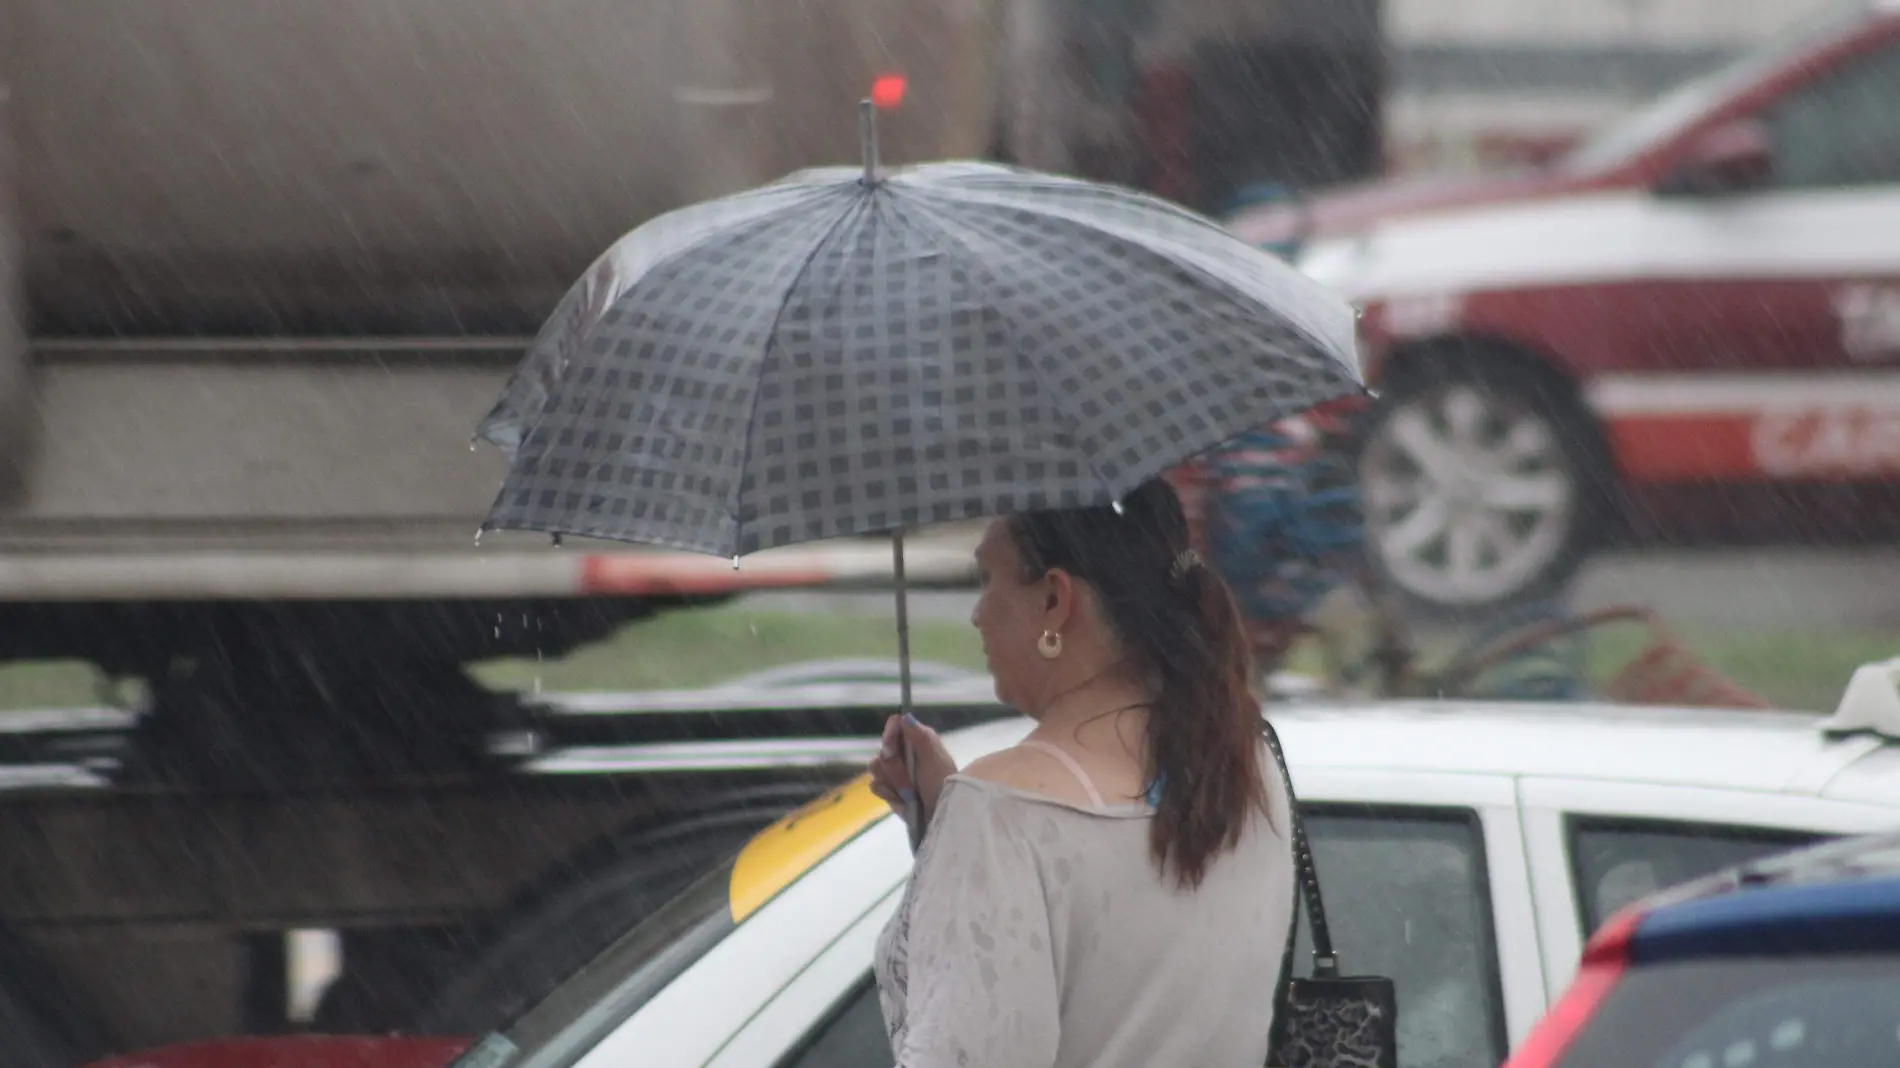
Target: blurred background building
pixel 1482 82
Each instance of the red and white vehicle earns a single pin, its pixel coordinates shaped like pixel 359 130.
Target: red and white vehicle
pixel 1697 310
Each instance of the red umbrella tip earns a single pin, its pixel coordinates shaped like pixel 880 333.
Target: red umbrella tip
pixel 888 91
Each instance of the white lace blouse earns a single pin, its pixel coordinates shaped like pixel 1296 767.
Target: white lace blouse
pixel 1037 933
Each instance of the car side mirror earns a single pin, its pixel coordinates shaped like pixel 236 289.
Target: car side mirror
pixel 1732 158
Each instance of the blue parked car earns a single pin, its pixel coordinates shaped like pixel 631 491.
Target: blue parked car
pixel 1790 962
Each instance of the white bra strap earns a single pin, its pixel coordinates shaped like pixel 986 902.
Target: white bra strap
pixel 1088 784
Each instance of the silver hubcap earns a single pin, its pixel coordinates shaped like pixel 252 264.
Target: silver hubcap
pixel 1468 498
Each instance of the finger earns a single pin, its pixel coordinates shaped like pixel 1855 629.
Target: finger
pixel 890 773
pixel 924 737
pixel 926 743
pixel 897 775
pixel 893 737
pixel 915 741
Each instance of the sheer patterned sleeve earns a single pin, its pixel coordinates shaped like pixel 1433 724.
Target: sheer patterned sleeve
pixel 982 990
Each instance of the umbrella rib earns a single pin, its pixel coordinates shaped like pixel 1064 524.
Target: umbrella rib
pixel 771 336
pixel 987 183
pixel 1016 334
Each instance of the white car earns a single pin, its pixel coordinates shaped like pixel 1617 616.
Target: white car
pixel 1465 850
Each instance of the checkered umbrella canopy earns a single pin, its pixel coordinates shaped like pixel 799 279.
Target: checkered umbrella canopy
pixel 831 356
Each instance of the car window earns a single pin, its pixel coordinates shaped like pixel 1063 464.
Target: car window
pixel 1619 861
pixel 1407 899
pixel 1752 1012
pixel 1842 130
pixel 571 1020
pixel 1668 115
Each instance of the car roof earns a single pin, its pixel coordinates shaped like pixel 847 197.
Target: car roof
pixel 1841 896
pixel 1745 750
pixel 1786 752
pixel 1781 752
pixel 1854 915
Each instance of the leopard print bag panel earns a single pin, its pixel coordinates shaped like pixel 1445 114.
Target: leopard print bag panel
pixel 1327 1020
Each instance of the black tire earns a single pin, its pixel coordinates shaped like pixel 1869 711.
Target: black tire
pixel 1530 426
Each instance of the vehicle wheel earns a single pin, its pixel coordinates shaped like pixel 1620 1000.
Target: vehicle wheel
pixel 1481 482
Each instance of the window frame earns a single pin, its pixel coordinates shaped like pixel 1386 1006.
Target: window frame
pixel 844 1003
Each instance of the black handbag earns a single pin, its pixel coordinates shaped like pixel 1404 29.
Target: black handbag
pixel 1329 1020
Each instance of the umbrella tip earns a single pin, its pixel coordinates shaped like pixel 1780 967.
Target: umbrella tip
pixel 557 539
pixel 1117 505
pixel 735 561
pixel 479 532
pixel 887 91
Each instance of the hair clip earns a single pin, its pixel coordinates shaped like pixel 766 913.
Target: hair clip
pixel 1186 562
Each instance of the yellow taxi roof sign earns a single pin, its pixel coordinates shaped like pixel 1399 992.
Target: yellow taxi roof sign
pixel 778 855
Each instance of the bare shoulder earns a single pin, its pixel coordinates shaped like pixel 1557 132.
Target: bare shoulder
pixel 1015 766
pixel 1029 770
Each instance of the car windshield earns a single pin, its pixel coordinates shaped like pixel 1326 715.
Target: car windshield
pixel 1763 1012
pixel 1687 104
pixel 563 1026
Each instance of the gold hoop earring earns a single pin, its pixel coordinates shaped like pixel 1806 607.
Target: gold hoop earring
pixel 1049 645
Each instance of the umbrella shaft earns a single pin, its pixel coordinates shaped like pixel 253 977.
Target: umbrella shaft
pixel 867 129
pixel 916 811
pixel 903 623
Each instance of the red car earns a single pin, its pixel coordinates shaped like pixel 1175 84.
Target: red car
pixel 1687 326
pixel 298 1052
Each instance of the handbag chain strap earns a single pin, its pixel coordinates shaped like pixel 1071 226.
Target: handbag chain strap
pixel 1325 961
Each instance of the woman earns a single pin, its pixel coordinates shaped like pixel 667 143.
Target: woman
pixel 1117 889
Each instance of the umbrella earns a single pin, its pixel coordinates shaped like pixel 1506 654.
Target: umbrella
pixel 851 352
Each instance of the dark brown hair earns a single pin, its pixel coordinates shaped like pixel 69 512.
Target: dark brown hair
pixel 1182 628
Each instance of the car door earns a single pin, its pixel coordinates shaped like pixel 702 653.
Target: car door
pixel 1596 845
pixel 1424 877
pixel 1773 324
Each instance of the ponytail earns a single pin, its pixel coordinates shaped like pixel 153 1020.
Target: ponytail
pixel 1179 621
pixel 1204 730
